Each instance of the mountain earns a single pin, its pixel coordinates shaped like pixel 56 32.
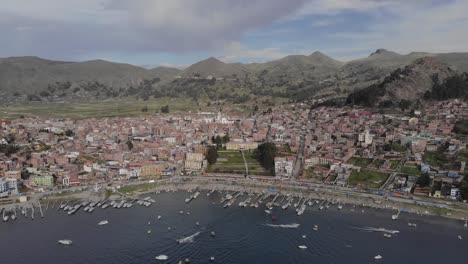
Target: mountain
pixel 32 75
pixel 216 68
pixel 405 85
pixel 295 77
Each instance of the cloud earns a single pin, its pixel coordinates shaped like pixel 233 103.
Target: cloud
pixel 74 28
pixel 236 52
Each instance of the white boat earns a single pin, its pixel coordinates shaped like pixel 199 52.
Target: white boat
pixel 304 236
pixel 103 222
pixel 387 235
pixel 268 211
pixel 213 234
pixel 459 237
pixel 378 257
pixel 65 242
pixel 5 218
pixel 159 217
pixel 303 247
pixel 181 212
pixel 195 195
pixel 301 210
pixel 315 228
pixel 91 210
pixel 162 257
pixel 412 224
pixel 340 207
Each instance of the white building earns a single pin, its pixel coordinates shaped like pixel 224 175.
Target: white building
pixel 8 187
pixel 283 167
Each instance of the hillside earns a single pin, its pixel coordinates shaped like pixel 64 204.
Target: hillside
pixel 295 77
pixel 408 85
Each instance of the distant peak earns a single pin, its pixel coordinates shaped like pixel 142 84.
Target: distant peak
pixel 383 52
pixel 317 53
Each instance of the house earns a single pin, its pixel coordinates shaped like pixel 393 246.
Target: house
pixel 8 187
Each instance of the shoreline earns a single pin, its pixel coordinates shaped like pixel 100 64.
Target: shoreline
pixel 135 190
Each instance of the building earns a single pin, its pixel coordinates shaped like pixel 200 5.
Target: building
pixel 8 187
pixel 13 174
pixel 283 166
pixel 42 181
pixel 151 171
pixel 241 145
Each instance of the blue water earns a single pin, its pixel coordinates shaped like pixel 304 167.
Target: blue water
pixel 242 235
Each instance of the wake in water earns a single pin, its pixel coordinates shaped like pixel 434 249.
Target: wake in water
pixel 284 226
pixel 188 239
pixel 379 229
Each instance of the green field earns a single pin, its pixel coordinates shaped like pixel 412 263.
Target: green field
pixel 410 169
pixel 394 164
pixel 435 158
pixel 367 179
pixel 116 108
pixel 360 162
pixel 232 162
pixel 378 162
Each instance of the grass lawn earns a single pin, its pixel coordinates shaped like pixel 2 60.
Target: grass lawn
pixel 369 179
pixel 394 164
pixel 435 158
pixel 360 162
pixel 377 163
pixel 232 162
pixel 410 169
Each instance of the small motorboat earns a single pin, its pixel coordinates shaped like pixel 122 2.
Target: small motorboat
pixel 213 233
pixel 159 217
pixel 387 235
pixel 304 236
pixel 303 247
pixel 149 231
pixel 212 258
pixel 268 211
pixel 103 222
pixel 65 242
pixel 459 237
pixel 162 257
pixel 378 257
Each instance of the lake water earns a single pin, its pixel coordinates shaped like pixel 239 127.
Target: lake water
pixel 242 235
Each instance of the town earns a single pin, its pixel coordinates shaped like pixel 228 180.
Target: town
pixel 420 153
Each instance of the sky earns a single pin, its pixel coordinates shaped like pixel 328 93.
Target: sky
pixel 180 32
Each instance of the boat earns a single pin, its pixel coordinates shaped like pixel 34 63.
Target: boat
pixel 301 210
pixel 162 257
pixel 197 223
pixel 340 207
pixel 159 217
pixel 195 195
pixel 395 216
pixel 212 258
pixel 412 224
pixel 181 212
pixel 303 247
pixel 378 257
pixel 459 237
pixel 387 235
pixel 65 242
pixel 91 209
pixel 103 222
pixel 304 236
pixel 268 211
pixel 213 233
pixel 5 218
pixel 315 228
pixel 149 231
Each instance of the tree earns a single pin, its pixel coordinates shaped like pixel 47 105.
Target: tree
pixel 265 154
pixel 165 109
pixel 69 133
pixel 225 139
pixel 212 155
pixel 464 188
pixel 144 109
pixel 129 144
pixel 424 180
pixel 255 108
